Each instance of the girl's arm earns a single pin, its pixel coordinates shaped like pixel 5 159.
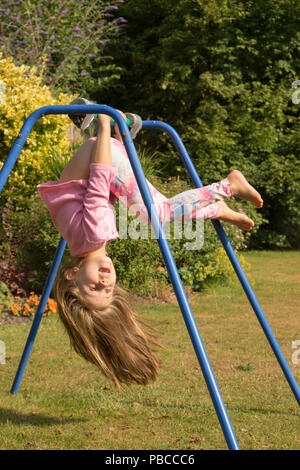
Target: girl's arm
pixel 118 135
pixel 102 150
pixel 90 152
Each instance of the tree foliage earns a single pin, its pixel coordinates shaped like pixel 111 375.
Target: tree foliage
pixel 64 39
pixel 221 72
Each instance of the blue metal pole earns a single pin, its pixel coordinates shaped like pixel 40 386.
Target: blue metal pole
pixel 233 258
pixel 180 293
pixel 38 316
pixel 163 244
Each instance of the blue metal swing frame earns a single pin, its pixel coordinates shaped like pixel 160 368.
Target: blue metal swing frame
pixel 165 250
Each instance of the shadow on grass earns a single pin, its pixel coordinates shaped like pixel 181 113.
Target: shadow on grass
pixel 34 419
pixel 288 412
pixel 264 411
pixel 207 409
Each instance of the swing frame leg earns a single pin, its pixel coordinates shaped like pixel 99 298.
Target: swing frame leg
pixel 233 259
pixel 38 316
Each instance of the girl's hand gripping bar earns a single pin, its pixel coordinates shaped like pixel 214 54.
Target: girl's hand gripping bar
pixel 113 121
pixel 86 122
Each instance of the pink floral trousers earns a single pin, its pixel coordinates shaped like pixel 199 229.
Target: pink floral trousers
pixel 191 204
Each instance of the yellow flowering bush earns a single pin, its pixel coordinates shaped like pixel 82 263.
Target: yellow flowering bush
pixel 218 265
pixel 24 93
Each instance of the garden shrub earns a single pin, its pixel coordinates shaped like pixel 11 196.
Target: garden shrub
pixel 71 34
pixel 6 297
pixel 14 276
pixel 31 240
pixel 24 93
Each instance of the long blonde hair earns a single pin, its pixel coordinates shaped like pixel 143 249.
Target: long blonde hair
pixel 113 338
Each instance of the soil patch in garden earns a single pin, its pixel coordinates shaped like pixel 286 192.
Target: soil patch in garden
pixel 7 318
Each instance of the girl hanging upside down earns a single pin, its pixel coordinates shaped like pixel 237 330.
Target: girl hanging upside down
pixel 102 325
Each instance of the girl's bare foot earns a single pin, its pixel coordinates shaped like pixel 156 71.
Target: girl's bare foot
pixel 242 189
pixel 236 218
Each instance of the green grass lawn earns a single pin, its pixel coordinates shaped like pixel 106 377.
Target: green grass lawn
pixel 63 403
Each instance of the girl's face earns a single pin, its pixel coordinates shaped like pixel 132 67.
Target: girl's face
pixel 96 279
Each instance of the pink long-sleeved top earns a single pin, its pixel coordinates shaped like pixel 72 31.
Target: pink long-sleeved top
pixel 82 210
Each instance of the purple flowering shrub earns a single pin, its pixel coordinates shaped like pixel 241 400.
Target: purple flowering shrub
pixel 64 38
